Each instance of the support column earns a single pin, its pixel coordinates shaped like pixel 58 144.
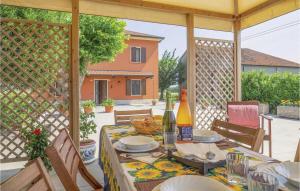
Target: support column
pixel 237 55
pixel 75 108
pixel 191 66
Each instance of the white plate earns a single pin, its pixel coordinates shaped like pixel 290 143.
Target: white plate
pixel 120 147
pixel 203 135
pixel 136 142
pixel 291 171
pixel 212 140
pixel 191 183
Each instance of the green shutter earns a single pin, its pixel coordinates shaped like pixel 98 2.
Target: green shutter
pixel 133 58
pixel 128 87
pixel 143 85
pixel 143 55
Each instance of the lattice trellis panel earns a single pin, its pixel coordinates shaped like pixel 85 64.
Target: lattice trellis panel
pixel 35 67
pixel 214 79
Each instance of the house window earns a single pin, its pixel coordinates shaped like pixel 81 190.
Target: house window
pixel 135 87
pixel 138 54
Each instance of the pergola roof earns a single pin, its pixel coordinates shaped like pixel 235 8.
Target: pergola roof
pixel 209 14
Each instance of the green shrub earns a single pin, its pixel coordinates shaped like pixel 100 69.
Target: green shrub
pixel 270 88
pixel 290 103
pixel 36 144
pixel 88 103
pixel 108 102
pixel 87 125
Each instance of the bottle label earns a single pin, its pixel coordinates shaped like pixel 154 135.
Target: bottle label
pixel 185 133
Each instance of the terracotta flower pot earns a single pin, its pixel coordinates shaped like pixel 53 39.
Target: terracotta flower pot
pixel 173 106
pixel 87 150
pixel 88 109
pixel 154 102
pixel 109 109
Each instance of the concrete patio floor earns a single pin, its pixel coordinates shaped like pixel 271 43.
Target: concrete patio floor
pixel 286 133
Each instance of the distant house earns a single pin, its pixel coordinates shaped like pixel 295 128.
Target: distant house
pixel 256 61
pixel 131 78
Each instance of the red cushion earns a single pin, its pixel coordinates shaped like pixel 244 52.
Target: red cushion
pixel 245 115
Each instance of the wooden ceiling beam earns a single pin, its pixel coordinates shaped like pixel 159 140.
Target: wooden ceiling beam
pixel 166 7
pixel 258 8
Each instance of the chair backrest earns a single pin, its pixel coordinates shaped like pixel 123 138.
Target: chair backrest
pixel 297 156
pixel 66 161
pixel 33 177
pixel 245 113
pixel 124 117
pixel 244 136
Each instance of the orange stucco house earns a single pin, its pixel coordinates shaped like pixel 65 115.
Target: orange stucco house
pixel 131 78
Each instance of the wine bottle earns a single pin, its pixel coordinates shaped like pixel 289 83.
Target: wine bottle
pixel 169 125
pixel 184 119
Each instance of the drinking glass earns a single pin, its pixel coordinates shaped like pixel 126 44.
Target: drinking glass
pixel 237 168
pixel 260 181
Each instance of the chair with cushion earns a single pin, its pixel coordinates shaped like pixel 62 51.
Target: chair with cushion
pixel 297 156
pixel 246 113
pixel 66 161
pixel 247 137
pixel 124 117
pixel 33 177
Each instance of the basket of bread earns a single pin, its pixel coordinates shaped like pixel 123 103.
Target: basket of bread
pixel 147 125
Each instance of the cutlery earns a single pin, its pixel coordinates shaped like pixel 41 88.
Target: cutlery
pixel 210 155
pixel 131 155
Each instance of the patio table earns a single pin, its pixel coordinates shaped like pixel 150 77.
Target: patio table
pixel 126 174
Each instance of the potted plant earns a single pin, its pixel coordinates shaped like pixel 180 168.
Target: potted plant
pixel 154 102
pixel 289 109
pixel 88 106
pixel 87 146
pixel 63 107
pixel 36 142
pixel 108 104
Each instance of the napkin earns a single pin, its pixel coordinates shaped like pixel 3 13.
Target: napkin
pixel 270 169
pixel 200 149
pixel 149 159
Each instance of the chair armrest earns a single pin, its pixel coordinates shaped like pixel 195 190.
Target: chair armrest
pixel 266 117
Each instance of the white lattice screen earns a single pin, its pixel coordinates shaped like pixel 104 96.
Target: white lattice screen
pixel 214 79
pixel 35 85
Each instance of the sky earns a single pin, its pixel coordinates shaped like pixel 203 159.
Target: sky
pixel 278 37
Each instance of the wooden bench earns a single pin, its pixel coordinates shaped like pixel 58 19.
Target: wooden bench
pixel 124 117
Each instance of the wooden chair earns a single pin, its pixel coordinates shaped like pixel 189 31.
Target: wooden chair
pixel 124 117
pixel 297 156
pixel 66 161
pixel 244 136
pixel 33 177
pixel 246 113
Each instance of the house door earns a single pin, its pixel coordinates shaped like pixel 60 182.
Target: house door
pixel 100 91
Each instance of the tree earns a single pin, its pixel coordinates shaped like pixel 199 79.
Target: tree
pixel 168 71
pixel 101 38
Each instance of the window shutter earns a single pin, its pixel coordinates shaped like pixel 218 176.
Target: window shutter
pixel 143 85
pixel 143 55
pixel 128 87
pixel 133 58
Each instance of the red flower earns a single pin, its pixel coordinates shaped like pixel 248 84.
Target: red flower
pixel 37 131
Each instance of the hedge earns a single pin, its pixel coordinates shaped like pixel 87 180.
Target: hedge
pixel 270 88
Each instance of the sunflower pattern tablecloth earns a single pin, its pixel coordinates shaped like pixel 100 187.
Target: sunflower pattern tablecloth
pixel 123 174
